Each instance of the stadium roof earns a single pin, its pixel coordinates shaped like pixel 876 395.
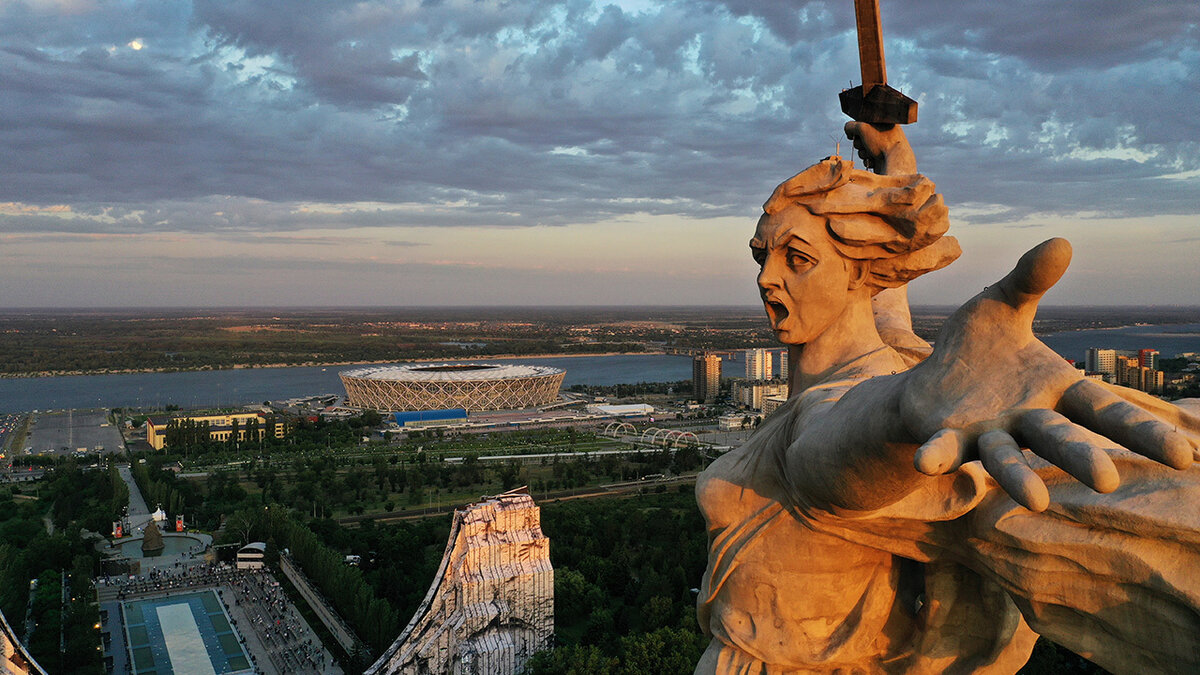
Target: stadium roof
pixel 449 372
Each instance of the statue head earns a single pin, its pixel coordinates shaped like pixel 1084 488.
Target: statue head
pixel 832 235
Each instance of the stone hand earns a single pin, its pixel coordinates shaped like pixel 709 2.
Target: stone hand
pixel 882 148
pixel 990 387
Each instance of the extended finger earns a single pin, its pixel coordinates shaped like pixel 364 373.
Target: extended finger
pixel 942 453
pixel 1005 462
pixel 1070 447
pixel 1040 268
pixel 1100 410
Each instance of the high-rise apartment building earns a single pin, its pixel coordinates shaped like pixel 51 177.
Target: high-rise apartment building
pixel 1128 371
pixel 784 373
pixel 1102 361
pixel 1148 358
pixel 758 364
pixel 706 377
pixel 1131 373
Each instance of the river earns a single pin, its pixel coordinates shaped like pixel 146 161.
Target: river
pixel 249 385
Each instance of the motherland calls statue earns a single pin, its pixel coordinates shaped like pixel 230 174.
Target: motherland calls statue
pixel 930 518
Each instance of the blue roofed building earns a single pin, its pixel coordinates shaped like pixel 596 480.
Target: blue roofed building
pixel 412 419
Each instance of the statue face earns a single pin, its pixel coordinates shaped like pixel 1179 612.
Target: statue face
pixel 803 281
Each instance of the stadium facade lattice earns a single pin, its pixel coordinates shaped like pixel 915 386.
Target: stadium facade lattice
pixel 474 386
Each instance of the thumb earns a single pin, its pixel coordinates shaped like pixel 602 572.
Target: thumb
pixel 1035 273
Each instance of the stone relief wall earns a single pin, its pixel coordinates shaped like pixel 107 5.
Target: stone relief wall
pixel 491 605
pixel 14 660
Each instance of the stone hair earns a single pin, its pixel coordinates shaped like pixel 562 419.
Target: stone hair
pixel 895 222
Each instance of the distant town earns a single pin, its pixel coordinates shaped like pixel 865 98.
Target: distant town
pixel 57 342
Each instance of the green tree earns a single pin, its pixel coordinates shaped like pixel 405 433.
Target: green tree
pixel 572 660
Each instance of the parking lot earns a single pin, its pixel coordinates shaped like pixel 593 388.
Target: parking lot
pixel 70 431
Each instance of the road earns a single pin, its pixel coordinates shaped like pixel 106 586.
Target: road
pixel 139 515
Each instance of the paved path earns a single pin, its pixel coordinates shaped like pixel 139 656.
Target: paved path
pixel 139 515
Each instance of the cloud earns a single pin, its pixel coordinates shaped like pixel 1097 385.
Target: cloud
pixel 249 118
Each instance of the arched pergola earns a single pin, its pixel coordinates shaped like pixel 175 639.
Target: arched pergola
pixel 650 433
pixel 686 438
pixel 615 429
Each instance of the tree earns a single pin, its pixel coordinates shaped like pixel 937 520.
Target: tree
pixel 510 474
pixel 572 660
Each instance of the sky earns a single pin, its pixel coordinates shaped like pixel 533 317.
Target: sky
pixel 529 152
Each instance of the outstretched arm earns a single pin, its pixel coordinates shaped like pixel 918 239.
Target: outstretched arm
pixel 989 389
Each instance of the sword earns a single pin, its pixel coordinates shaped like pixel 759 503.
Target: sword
pixel 874 101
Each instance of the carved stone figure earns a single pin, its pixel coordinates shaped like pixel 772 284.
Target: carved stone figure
pixel 900 518
pixel 152 540
pixel 491 605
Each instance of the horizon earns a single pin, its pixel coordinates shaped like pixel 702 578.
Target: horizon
pixel 915 307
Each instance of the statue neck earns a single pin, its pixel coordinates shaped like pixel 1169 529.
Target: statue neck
pixel 850 336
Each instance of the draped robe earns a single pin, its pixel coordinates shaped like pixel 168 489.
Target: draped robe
pixel 955 576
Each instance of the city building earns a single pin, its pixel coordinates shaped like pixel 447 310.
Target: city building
pixel 220 427
pixel 751 394
pixel 429 418
pixel 626 410
pixel 1131 373
pixel 784 373
pixel 1134 369
pixel 758 364
pixel 773 403
pixel 737 421
pixel 1148 358
pixel 252 556
pixel 1102 361
pixel 706 377
pixel 1152 381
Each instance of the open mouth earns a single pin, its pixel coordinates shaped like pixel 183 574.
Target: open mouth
pixel 777 312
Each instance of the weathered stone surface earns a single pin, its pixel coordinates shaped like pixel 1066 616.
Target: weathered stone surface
pixel 14 658
pixel 929 518
pixel 491 606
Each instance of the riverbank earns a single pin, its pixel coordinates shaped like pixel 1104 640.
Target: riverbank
pixel 233 387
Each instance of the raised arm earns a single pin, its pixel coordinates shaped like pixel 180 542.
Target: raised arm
pixel 885 150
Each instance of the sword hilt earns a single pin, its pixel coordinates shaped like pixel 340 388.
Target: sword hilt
pixel 874 101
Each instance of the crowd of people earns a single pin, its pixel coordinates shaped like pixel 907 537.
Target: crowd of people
pixel 159 579
pixel 283 634
pixel 257 597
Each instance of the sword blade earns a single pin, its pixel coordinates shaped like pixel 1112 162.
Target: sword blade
pixel 870 43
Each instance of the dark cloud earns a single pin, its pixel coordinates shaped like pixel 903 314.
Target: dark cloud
pixel 235 113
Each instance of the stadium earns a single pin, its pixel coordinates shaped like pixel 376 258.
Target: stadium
pixel 473 386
